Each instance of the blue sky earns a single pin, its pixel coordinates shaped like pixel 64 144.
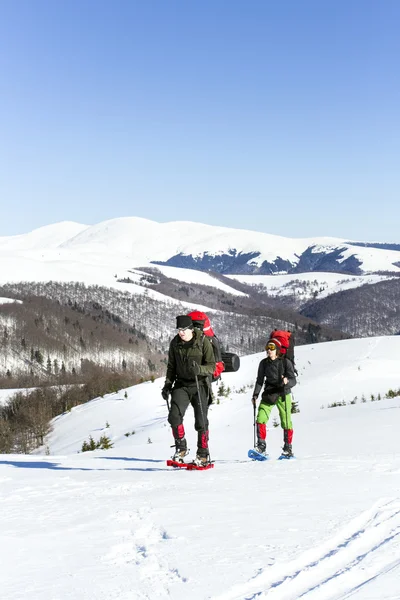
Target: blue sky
pixel 280 117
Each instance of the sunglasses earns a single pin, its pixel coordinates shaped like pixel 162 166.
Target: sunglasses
pixel 271 347
pixel 180 329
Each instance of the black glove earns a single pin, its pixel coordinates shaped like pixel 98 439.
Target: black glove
pixel 165 392
pixel 195 368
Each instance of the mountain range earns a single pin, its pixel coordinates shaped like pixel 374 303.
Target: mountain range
pixel 134 242
pixel 123 276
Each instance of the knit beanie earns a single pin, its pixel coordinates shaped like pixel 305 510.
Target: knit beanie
pixel 183 321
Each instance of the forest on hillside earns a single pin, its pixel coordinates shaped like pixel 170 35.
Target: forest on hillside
pixel 60 331
pixel 365 311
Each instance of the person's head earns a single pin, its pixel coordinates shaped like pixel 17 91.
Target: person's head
pixel 273 349
pixel 184 325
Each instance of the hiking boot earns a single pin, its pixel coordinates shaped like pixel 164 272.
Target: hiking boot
pixel 201 461
pixel 180 455
pixel 202 457
pixel 263 452
pixel 287 450
pixel 261 447
pixel 180 450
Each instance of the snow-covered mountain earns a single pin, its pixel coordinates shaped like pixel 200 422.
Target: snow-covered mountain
pixel 121 525
pixel 49 236
pixel 134 242
pixel 118 254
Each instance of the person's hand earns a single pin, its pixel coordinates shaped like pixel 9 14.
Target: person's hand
pixel 254 400
pixel 285 380
pixel 195 368
pixel 165 392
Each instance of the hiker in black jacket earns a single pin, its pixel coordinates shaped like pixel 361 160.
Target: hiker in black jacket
pixel 191 364
pixel 278 374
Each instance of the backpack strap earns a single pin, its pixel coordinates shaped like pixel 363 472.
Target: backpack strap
pixel 283 369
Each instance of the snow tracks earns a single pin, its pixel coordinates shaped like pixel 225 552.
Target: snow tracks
pixel 366 548
pixel 139 546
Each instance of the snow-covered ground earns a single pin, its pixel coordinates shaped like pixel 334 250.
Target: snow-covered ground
pixel 199 277
pixel 6 394
pixel 121 525
pixel 9 301
pixel 308 285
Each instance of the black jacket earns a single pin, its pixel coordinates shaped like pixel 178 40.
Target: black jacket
pixel 181 356
pixel 272 372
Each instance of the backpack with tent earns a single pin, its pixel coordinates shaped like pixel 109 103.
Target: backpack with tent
pixel 225 361
pixel 285 341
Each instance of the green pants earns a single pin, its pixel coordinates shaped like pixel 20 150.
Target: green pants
pixel 284 406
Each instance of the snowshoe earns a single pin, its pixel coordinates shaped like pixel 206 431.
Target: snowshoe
pixel 190 466
pixel 254 454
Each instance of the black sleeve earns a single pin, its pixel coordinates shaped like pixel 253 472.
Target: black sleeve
pixel 260 378
pixel 289 373
pixel 171 367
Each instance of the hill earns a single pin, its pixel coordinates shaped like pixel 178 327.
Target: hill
pixel 364 311
pixel 129 242
pixel 56 329
pixel 125 526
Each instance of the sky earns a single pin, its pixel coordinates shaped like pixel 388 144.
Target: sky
pixel 121 525
pixel 273 117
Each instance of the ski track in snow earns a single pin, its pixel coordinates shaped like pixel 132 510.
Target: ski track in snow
pixel 139 545
pixel 368 547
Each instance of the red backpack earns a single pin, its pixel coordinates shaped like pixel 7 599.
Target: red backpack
pixel 224 361
pixel 285 341
pixel 201 321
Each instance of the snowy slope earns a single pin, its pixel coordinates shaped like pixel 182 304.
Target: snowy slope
pixel 131 236
pixel 133 242
pixel 119 524
pixel 308 285
pixel 49 236
pixel 198 277
pixel 17 269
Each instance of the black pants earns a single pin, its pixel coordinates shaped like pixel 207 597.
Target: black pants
pixel 180 399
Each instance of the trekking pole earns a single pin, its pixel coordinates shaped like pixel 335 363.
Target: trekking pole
pixel 202 413
pixel 254 423
pixel 167 401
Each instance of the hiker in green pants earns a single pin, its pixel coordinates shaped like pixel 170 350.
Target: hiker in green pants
pixel 277 372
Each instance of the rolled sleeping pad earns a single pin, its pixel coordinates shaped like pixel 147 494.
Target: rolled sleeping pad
pixel 231 362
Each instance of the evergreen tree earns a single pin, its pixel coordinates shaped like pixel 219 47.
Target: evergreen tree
pixel 38 357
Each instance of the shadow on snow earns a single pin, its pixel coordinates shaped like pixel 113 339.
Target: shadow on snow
pixel 57 467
